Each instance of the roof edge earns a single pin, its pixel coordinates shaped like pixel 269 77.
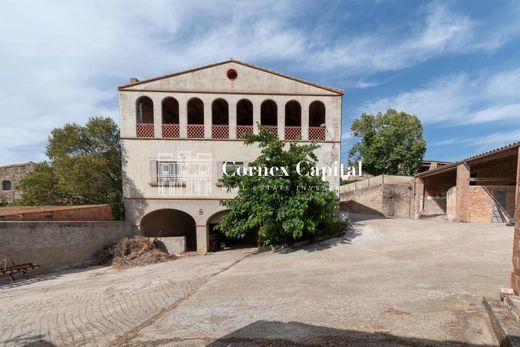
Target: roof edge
pixel 203 67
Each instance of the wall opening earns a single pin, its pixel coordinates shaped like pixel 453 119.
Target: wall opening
pixel 293 114
pixel 245 112
pixel 219 241
pixel 170 222
pixel 269 113
pixel 220 112
pixel 316 114
pixel 170 111
pixel 7 185
pixel 144 110
pixel 195 111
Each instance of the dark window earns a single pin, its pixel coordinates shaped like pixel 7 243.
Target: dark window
pixel 293 114
pixel 195 111
pixel 170 111
pixel 220 112
pixel 144 110
pixel 316 114
pixel 6 185
pixel 232 74
pixel 244 112
pixel 268 113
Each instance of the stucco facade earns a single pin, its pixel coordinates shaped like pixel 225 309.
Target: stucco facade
pixel 201 113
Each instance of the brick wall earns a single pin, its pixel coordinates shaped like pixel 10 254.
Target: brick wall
pixel 57 213
pixel 481 202
pixel 462 209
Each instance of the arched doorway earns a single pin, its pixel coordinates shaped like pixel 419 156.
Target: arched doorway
pixel 170 222
pixel 219 241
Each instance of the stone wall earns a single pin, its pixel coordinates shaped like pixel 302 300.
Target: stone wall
pixel 10 176
pixel 389 200
pixel 56 245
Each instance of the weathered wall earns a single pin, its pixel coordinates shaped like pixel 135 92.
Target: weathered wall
pixel 13 174
pixel 451 201
pixel 434 204
pixel 57 213
pixel 481 202
pixel 515 275
pixel 56 245
pixel 390 200
pixel 368 200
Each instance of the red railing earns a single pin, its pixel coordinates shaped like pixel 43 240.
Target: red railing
pixel 244 129
pixel 220 131
pixel 170 131
pixel 195 131
pixel 273 129
pixel 292 133
pixel 317 133
pixel 145 130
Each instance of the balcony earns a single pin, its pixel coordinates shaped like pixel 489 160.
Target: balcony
pixel 220 131
pixel 244 129
pixel 170 131
pixel 317 133
pixel 195 131
pixel 293 133
pixel 145 130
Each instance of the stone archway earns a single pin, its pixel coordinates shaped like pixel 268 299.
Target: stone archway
pixel 169 223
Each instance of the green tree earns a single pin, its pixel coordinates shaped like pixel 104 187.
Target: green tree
pixel 388 143
pixel 282 208
pixel 84 167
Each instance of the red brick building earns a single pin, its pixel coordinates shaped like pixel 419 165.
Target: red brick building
pixel 479 189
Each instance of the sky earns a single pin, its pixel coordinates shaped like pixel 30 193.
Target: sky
pixel 454 64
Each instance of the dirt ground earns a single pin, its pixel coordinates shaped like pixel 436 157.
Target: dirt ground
pixel 391 282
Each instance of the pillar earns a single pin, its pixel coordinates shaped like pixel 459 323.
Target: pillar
pixel 461 201
pixel 281 119
pixel 515 275
pixel 183 117
pixel 418 197
pixel 157 116
pixel 202 239
pixel 232 107
pixel 256 115
pixel 208 118
pixel 305 121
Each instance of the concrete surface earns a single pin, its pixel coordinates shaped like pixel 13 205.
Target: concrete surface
pixel 390 282
pixel 507 329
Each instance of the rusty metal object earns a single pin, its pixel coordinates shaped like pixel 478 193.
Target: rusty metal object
pixel 8 267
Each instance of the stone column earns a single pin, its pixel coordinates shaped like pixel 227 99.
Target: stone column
pixel 183 117
pixel 157 116
pixel 515 275
pixel 202 239
pixel 256 115
pixel 418 198
pixel 461 201
pixel 281 119
pixel 232 106
pixel 305 120
pixel 207 118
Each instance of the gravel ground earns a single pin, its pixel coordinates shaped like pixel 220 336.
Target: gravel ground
pixel 390 282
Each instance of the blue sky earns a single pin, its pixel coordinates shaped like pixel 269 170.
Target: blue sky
pixel 454 64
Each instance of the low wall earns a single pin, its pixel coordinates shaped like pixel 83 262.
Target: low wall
pixel 56 245
pixel 57 213
pixel 451 204
pixel 390 200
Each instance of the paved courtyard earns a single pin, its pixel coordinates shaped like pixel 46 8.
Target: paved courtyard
pixel 388 282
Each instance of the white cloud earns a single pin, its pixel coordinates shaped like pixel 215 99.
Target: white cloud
pixel 459 99
pixel 62 61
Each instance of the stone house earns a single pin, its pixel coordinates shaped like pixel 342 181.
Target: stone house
pixel 179 130
pixel 10 176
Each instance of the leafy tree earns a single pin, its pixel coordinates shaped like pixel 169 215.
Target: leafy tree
pixel 282 208
pixel 84 167
pixel 389 143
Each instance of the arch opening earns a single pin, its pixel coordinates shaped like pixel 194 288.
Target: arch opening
pixel 244 112
pixel 219 241
pixel 269 113
pixel 316 114
pixel 170 111
pixel 170 223
pixel 144 110
pixel 293 114
pixel 220 112
pixel 195 111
